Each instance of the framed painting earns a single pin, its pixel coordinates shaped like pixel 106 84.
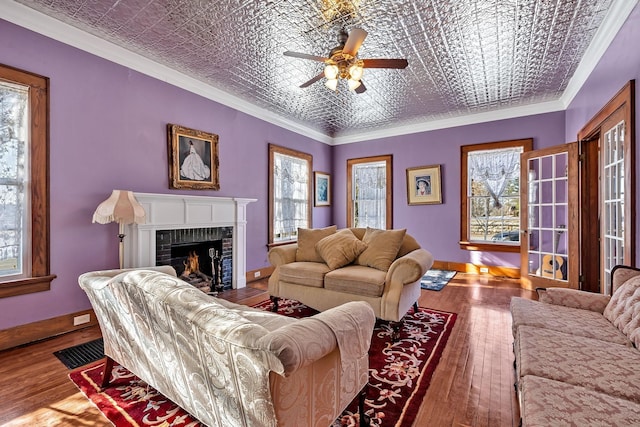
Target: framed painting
pixel 322 188
pixel 424 185
pixel 193 159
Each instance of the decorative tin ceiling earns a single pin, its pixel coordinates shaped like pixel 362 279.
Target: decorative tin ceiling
pixel 465 56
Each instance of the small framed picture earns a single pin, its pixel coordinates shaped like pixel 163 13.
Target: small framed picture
pixel 424 185
pixel 322 188
pixel 193 159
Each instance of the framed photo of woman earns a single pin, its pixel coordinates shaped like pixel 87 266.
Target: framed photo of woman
pixel 424 185
pixel 193 159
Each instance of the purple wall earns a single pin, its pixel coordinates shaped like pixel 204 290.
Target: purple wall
pixel 619 64
pixel 437 227
pixel 108 130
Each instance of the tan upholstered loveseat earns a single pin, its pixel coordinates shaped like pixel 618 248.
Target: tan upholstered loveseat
pixel 328 267
pixel 577 357
pixel 228 364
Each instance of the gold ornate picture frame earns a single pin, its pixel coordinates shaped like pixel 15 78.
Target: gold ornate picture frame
pixel 193 159
pixel 424 185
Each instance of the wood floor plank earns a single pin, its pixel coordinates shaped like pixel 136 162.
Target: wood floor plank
pixel 472 385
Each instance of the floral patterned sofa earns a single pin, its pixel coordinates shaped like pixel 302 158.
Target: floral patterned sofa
pixel 228 364
pixel 328 267
pixel 576 356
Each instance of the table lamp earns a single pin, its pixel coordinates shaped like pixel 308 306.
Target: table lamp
pixel 123 208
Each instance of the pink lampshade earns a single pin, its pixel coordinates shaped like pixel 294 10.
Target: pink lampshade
pixel 121 207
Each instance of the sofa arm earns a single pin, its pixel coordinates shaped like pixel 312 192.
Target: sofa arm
pixel 281 255
pixel 620 274
pixel 574 298
pixel 411 267
pixel 348 327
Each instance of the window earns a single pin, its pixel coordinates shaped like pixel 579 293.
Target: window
pixel 491 195
pixel 24 193
pixel 369 183
pixel 289 193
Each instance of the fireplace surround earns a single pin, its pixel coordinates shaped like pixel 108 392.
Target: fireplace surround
pixel 193 219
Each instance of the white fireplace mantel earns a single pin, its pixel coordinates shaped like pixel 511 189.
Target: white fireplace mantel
pixel 174 212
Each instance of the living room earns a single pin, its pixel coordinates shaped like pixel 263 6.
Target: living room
pixel 108 131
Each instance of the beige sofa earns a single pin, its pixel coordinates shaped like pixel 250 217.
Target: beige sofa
pixel 328 267
pixel 228 364
pixel 576 356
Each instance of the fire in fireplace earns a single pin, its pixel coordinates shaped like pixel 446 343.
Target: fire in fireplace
pixel 202 257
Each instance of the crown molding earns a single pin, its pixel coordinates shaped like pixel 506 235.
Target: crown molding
pixel 470 119
pixel 42 24
pixel 615 19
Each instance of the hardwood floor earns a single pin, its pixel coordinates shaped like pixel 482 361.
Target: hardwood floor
pixel 472 385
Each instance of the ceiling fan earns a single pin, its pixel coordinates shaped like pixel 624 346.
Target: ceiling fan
pixel 343 62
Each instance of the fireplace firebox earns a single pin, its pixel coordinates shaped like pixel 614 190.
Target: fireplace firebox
pixel 200 256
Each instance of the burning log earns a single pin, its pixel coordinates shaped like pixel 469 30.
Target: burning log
pixel 193 275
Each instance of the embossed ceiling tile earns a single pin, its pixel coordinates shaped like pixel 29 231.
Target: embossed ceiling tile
pixel 464 55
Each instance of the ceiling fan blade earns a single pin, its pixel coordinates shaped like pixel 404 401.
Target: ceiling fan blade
pixel 385 63
pixel 356 37
pixel 360 88
pixel 313 80
pixel 305 56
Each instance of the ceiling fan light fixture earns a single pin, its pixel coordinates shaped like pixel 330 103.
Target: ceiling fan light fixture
pixel 355 71
pixel 332 84
pixel 331 71
pixel 353 84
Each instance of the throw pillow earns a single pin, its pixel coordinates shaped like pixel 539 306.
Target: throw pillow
pixel 340 249
pixel 307 239
pixel 382 247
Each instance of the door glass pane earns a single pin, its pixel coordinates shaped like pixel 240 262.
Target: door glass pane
pixel 612 207
pixel 548 216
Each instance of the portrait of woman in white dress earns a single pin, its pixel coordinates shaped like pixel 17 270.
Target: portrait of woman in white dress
pixel 193 167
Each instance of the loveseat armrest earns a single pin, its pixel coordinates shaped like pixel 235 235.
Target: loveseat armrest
pixel 281 255
pixel 348 327
pixel 574 298
pixel 411 267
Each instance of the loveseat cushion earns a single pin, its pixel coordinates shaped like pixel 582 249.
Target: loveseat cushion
pixel 584 323
pixel 382 248
pixel 623 309
pixel 307 239
pixel 547 402
pixel 340 249
pixel 356 279
pixel 304 273
pixel 597 365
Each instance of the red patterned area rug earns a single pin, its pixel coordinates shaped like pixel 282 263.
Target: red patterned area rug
pixel 400 373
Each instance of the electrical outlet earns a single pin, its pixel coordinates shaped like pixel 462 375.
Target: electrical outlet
pixel 80 320
pixel 484 270
pixel 256 274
